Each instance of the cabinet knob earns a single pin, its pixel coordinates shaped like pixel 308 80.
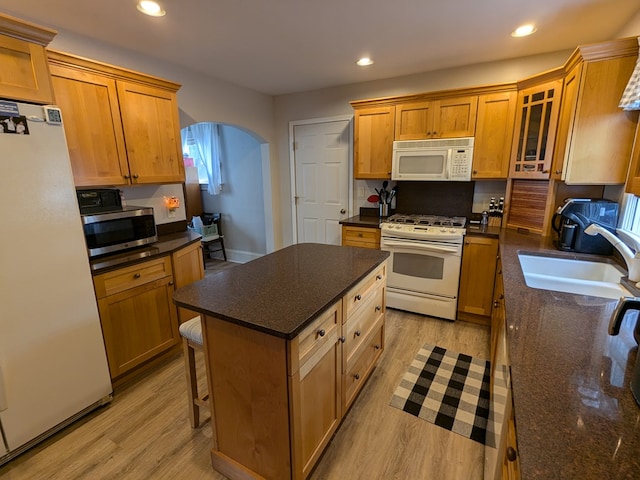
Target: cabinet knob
pixel 360 234
pixel 558 172
pixel 495 304
pixel 357 376
pixel 135 175
pixel 136 275
pixel 378 277
pixel 343 339
pixel 378 308
pixel 466 242
pixel 501 296
pixel 357 333
pixel 358 297
pixel 321 332
pixel 376 347
pixel 171 282
pixel 512 455
pixel 127 177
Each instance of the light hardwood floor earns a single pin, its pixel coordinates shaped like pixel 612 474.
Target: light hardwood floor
pixel 144 433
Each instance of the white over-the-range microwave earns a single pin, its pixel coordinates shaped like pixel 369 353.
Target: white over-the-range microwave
pixel 444 159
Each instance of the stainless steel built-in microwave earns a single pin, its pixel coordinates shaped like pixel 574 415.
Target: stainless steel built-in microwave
pixel 446 159
pixel 119 230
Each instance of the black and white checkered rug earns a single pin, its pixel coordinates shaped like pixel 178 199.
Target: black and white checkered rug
pixel 448 389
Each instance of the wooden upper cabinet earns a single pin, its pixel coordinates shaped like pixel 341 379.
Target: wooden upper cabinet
pixel 595 136
pixel 445 118
pixel 152 132
pixel 122 127
pixel 455 117
pixel 536 122
pixel 373 142
pixel 413 120
pixel 494 133
pixel 91 114
pixel 25 73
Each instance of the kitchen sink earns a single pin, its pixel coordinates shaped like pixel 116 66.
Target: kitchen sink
pixel 582 277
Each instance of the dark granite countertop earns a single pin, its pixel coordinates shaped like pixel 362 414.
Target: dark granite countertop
pixel 362 221
pixel 165 245
pixel 575 415
pixel 282 292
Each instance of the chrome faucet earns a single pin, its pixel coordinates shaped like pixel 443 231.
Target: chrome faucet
pixel 632 259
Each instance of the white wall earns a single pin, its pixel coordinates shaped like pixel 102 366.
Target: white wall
pixel 153 196
pixel 240 201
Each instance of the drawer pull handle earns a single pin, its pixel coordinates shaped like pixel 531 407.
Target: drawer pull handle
pixel 378 277
pixel 378 308
pixel 358 297
pixel 376 347
pixel 321 332
pixel 137 275
pixel 343 339
pixel 357 376
pixel 358 333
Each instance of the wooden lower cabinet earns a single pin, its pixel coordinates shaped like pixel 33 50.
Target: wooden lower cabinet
pixel 277 403
pixel 476 278
pixel 139 320
pixel 367 237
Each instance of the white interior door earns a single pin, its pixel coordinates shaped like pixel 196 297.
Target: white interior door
pixel 321 163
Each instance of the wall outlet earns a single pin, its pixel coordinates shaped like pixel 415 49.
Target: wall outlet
pixel 171 212
pixel 360 192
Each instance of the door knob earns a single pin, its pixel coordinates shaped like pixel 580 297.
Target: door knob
pixel 343 211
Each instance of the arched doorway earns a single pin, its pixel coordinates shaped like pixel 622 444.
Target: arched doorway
pixel 245 197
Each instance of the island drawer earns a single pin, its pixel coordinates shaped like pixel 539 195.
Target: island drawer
pixel 117 281
pixel 358 295
pixel 358 372
pixel 360 325
pixel 326 328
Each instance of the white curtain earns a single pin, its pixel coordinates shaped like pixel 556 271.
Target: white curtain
pixel 206 143
pixel 631 96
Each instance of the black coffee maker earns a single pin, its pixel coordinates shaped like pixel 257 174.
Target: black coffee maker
pixel 575 215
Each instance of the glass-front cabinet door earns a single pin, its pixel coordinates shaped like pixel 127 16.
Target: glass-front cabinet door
pixel 536 122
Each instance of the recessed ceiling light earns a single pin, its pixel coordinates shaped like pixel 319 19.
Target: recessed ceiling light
pixel 523 30
pixel 151 8
pixel 364 61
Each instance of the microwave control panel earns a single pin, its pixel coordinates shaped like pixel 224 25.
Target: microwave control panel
pixel 461 159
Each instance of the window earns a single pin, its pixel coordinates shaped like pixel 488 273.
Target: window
pixel 629 225
pixel 201 142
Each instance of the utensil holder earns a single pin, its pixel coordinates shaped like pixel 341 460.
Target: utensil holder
pixel 384 209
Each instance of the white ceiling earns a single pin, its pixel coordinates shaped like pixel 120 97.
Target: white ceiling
pixel 286 46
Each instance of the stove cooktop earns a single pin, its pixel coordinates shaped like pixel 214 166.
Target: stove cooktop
pixel 428 220
pixel 425 227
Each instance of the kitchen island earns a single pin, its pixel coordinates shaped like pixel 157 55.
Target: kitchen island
pixel 289 340
pixel 575 414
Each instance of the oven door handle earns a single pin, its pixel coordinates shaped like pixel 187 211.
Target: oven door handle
pixel 422 246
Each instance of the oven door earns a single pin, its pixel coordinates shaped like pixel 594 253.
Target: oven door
pixel 423 267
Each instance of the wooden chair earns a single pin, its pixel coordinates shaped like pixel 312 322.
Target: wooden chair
pixel 213 237
pixel 191 333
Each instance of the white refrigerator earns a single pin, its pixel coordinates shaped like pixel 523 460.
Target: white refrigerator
pixel 53 366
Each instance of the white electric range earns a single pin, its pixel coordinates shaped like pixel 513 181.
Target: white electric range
pixel 425 256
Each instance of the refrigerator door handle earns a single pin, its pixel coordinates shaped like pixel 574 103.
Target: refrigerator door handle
pixel 3 394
